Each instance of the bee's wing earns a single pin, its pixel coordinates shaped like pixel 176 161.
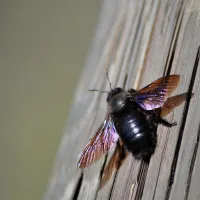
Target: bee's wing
pixel 117 159
pixel 105 137
pixel 155 94
pixel 173 102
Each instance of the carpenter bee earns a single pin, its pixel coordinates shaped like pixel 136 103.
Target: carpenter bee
pixel 131 123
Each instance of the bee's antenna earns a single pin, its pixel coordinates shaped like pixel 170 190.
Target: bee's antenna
pixel 95 90
pixel 108 79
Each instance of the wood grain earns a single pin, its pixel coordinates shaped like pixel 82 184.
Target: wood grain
pixel 138 41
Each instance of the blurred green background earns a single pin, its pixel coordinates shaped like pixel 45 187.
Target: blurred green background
pixel 43 48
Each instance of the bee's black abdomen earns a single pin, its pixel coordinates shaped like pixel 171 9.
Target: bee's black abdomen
pixel 136 131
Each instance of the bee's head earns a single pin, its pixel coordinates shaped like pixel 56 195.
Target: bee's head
pixel 114 92
pixel 116 99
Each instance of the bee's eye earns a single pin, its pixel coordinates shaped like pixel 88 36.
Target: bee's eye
pixel 131 90
pixel 114 92
pixel 117 90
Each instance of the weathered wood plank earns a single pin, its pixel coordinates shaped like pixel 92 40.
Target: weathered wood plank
pixel 142 40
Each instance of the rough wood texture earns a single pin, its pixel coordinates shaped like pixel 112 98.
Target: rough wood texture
pixel 139 41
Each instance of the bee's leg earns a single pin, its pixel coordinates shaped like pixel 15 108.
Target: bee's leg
pixel 166 123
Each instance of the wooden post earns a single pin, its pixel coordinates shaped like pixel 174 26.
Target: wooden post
pixel 139 41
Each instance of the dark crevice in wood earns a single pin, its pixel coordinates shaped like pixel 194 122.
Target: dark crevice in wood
pixel 112 187
pixel 192 164
pixel 160 164
pixel 78 187
pixel 175 36
pixel 174 163
pixel 125 80
pixel 103 166
pixel 141 178
pixel 167 72
pixel 101 173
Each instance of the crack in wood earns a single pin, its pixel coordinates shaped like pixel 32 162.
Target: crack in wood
pixel 111 190
pixel 125 80
pixel 194 155
pixel 141 178
pixel 103 166
pixel 78 187
pixel 173 168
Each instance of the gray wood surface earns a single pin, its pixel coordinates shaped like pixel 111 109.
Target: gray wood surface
pixel 141 40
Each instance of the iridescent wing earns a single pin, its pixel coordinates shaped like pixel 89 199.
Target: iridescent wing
pixel 117 159
pixel 105 137
pixel 173 102
pixel 155 94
